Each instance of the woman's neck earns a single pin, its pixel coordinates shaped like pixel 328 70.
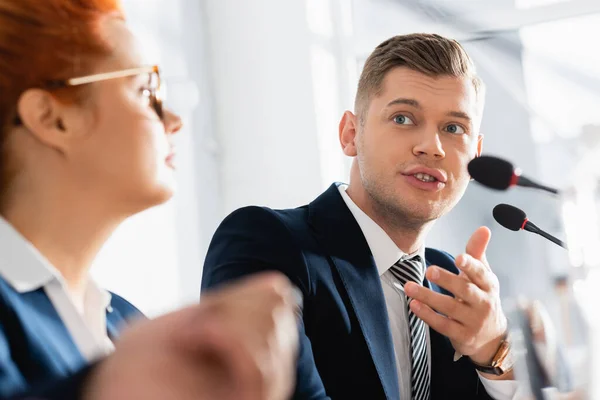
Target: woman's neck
pixel 67 230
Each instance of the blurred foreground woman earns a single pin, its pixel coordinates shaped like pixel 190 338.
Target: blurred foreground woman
pixel 85 143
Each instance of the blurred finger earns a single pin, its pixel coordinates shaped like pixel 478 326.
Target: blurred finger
pixel 478 242
pixel 227 356
pixel 444 325
pixel 442 303
pixel 476 271
pixel 461 288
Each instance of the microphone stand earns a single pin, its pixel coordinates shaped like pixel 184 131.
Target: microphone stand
pixel 526 182
pixel 531 227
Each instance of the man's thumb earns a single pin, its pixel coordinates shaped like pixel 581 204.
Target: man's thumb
pixel 478 243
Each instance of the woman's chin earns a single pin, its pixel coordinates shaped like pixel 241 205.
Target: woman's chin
pixel 156 197
pixel 164 194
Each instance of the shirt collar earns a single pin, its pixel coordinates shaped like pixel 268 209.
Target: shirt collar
pixel 96 297
pixel 384 250
pixel 26 269
pixel 21 264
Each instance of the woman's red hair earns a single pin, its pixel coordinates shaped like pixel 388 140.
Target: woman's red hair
pixel 42 40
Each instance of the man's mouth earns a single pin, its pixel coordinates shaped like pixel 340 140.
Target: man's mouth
pixel 425 177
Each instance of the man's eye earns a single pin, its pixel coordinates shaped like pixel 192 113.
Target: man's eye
pixel 403 120
pixel 455 129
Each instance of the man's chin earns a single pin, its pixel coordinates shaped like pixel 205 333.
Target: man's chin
pixel 426 206
pixel 424 217
pixel 413 215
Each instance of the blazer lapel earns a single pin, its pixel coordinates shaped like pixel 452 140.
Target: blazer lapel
pixel 432 257
pixel 431 285
pixel 114 323
pixel 52 330
pixel 344 242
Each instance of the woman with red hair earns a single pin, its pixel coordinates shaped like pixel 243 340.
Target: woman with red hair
pixel 85 143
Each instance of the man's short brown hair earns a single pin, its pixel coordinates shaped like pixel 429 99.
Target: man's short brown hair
pixel 429 54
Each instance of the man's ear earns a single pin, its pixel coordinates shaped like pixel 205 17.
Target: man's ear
pixel 347 133
pixel 479 145
pixel 43 115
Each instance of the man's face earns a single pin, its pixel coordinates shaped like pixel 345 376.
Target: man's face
pixel 414 144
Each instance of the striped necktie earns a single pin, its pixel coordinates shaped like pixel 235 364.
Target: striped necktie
pixel 412 270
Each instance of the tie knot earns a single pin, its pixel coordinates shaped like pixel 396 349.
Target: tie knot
pixel 409 270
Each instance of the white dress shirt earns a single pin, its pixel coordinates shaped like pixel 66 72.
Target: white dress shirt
pixel 386 253
pixel 24 268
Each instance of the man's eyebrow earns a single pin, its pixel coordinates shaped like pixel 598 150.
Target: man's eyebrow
pixel 459 114
pixel 400 100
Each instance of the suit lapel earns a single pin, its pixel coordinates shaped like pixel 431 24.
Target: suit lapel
pixel 114 323
pixel 344 242
pixel 52 330
pixel 431 285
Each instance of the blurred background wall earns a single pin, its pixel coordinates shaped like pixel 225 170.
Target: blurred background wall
pixel 262 84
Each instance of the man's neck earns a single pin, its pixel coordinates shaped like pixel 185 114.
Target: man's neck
pixel 409 237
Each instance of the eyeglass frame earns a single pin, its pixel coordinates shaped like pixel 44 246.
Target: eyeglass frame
pixel 155 100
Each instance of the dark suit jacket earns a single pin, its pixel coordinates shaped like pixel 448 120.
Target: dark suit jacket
pixel 346 349
pixel 35 345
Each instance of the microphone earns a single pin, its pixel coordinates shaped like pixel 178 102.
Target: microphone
pixel 515 219
pixel 500 174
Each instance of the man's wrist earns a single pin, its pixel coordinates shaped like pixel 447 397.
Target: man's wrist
pixel 500 364
pixel 486 355
pixel 507 376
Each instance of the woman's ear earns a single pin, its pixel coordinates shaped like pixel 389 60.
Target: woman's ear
pixel 43 115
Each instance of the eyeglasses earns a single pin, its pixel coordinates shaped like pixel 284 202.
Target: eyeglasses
pixel 153 91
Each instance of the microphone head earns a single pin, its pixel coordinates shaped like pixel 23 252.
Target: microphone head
pixel 492 172
pixel 509 216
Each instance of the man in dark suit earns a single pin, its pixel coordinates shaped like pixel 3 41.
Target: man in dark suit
pixel 372 291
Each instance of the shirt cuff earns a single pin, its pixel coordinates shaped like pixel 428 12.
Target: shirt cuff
pixel 500 390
